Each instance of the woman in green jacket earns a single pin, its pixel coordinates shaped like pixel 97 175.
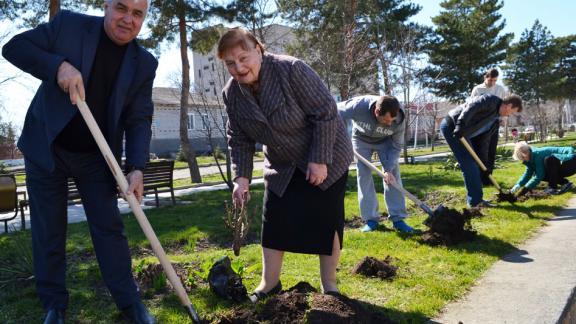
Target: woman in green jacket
pixel 550 164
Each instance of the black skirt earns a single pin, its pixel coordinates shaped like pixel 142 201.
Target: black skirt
pixel 305 218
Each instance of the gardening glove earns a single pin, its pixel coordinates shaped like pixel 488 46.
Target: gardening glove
pixel 457 133
pixel 514 189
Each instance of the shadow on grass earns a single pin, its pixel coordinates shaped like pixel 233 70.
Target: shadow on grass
pixel 528 210
pixel 486 245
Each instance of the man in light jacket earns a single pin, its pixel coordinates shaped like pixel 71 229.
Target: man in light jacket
pixel 378 126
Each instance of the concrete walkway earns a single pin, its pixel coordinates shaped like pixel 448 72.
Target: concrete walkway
pixel 532 285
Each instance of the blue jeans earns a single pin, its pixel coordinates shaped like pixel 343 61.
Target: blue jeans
pixel 469 167
pixel 395 202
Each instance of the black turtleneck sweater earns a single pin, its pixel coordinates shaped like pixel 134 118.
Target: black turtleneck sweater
pixel 76 137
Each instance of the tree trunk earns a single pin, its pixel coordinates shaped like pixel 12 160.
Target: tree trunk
pixel 187 149
pixel 54 8
pixel 560 116
pixel 406 133
pixel 349 26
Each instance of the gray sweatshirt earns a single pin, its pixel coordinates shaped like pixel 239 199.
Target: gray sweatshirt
pixel 365 126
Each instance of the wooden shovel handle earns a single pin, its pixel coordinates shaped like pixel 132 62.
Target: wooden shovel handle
pixel 381 174
pixel 480 163
pixel 134 204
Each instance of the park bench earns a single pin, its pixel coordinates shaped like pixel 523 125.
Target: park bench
pixel 158 178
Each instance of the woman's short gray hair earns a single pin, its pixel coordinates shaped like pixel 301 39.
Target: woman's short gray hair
pixel 521 151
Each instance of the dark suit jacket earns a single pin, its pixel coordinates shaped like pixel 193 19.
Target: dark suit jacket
pixel 294 116
pixel 74 37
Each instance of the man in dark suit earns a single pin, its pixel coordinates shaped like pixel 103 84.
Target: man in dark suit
pixel 94 59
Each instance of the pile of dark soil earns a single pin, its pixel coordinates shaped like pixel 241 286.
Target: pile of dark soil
pixel 533 194
pixel 449 227
pixel 505 196
pixel 372 267
pixel 302 304
pixel 152 280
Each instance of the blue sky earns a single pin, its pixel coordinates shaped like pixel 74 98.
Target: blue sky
pixel 557 15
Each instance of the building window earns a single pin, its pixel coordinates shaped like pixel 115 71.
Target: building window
pixel 197 121
pixel 206 67
pixel 211 83
pixel 210 59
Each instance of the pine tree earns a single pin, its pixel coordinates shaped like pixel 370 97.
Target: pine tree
pixel 467 42
pixel 530 70
pixel 564 77
pixel 332 42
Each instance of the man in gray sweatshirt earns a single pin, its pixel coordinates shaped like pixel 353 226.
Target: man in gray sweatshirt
pixel 378 126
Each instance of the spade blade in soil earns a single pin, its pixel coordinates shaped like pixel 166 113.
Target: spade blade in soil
pixel 433 213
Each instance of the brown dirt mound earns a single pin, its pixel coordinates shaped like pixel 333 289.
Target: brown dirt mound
pixel 149 278
pixel 336 308
pixel 533 194
pixel 302 304
pixel 505 196
pixel 450 227
pixel 372 267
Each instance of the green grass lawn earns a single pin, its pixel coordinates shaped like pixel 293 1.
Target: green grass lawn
pixel 193 233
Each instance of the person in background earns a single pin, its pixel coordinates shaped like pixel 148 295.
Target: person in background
pixel 281 102
pixel 80 57
pixel 478 117
pixel 489 85
pixel 515 134
pixel 490 140
pixel 378 126
pixel 550 164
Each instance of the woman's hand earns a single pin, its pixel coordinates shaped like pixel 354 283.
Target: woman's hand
pixel 241 192
pixel 316 173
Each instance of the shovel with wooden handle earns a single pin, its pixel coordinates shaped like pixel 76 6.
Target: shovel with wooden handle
pixel 431 213
pixel 137 210
pixel 480 163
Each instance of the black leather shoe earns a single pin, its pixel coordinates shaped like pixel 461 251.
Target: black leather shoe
pixel 54 316
pixel 259 295
pixel 138 314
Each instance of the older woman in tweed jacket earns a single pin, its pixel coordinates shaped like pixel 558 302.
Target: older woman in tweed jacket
pixel 281 102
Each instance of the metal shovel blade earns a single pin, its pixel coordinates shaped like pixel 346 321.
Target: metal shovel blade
pixel 432 214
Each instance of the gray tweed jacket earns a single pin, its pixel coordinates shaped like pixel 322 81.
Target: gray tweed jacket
pixel 294 116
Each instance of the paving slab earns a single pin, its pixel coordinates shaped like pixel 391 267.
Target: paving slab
pixel 534 284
